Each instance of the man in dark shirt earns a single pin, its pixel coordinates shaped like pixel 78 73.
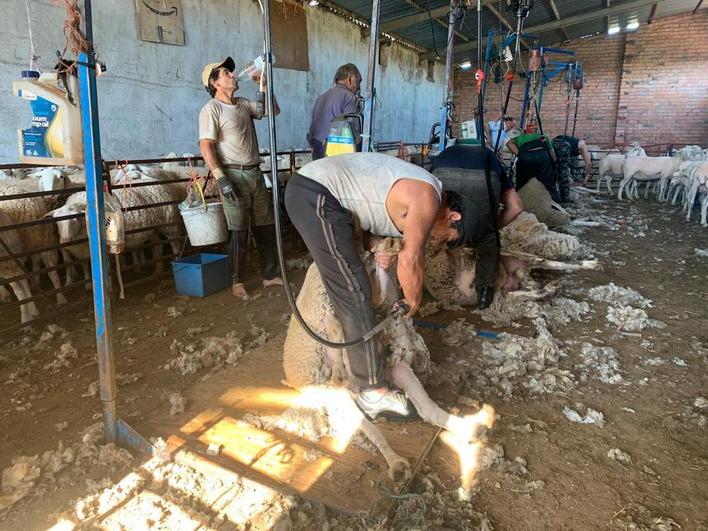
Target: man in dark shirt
pixel 535 158
pixel 461 169
pixel 340 100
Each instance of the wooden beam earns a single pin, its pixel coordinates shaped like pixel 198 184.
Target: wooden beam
pixel 580 18
pixel 651 14
pixel 556 14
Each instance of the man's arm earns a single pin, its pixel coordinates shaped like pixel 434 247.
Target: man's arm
pixel 257 79
pixel 422 205
pixel 585 153
pixel 207 146
pixel 513 206
pixel 511 144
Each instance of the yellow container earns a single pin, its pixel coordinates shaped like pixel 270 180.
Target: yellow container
pixel 55 137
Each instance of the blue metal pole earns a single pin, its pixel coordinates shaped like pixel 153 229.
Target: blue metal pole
pixel 95 220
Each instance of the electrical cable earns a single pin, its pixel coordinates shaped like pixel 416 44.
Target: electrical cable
pixel 480 128
pixel 398 309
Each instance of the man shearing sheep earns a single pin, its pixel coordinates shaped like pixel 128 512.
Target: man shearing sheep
pixel 329 201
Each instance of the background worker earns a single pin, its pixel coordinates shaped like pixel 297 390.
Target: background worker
pixel 342 99
pixel 535 158
pixel 567 148
pixel 228 143
pixel 493 130
pixel 384 196
pixel 461 169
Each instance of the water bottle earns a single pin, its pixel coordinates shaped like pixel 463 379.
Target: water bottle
pixel 251 68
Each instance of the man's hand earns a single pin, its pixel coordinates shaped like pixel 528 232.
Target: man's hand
pixel 385 260
pixel 227 190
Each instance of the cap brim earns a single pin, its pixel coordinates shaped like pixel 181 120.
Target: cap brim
pixel 228 64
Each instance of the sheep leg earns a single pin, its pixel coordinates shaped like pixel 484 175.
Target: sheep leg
pixel 690 199
pixel 608 182
pixel 552 265
pixel 348 412
pixel 51 259
pixel 468 428
pixel 69 269
pixel 704 210
pixel 87 274
pixel 28 311
pixel 399 469
pixel 623 183
pixel 36 266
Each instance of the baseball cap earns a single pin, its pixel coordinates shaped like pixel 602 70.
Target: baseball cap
pixel 227 63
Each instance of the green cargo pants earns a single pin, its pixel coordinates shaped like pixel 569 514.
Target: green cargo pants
pixel 254 199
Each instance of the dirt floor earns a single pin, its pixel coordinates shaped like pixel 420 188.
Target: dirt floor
pixel 539 470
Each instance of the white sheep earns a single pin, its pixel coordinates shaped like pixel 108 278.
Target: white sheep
pixel 309 365
pixel 74 229
pixel 11 244
pixel 27 209
pixel 612 164
pixel 647 169
pixel 698 175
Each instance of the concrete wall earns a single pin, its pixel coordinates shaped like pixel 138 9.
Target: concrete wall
pixel 649 85
pixel 150 97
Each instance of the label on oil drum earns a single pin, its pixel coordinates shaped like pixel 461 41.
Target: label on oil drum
pixel 34 139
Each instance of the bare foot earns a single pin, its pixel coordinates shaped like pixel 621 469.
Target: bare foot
pixel 239 290
pixel 275 281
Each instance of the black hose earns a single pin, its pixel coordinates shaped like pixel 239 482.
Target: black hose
pixel 575 118
pixel 480 117
pixel 517 52
pixel 397 311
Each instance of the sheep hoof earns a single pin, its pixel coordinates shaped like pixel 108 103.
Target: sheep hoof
pixel 61 299
pixel 400 470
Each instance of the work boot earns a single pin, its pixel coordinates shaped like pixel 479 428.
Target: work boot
pixel 392 405
pixel 485 297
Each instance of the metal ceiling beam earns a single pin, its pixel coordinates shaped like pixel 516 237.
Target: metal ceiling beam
pixel 606 4
pixel 364 23
pixel 581 18
pixel 652 13
pixel 556 14
pixel 503 20
pixel 411 20
pixel 438 21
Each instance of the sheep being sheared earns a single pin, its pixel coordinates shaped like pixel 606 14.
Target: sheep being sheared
pixel 308 363
pixel 526 244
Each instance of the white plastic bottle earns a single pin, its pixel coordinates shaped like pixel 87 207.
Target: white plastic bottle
pixel 55 136
pixel 252 68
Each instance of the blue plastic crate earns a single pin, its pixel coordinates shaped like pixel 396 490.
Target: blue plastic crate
pixel 201 274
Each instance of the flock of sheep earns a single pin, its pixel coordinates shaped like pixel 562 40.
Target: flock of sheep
pixel 46 212
pixel 681 178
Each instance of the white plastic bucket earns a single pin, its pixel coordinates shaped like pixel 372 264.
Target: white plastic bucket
pixel 205 226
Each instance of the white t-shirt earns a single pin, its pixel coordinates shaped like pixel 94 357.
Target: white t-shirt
pixel 231 126
pixel 361 183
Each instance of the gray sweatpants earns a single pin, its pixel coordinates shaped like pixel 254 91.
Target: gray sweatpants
pixel 328 231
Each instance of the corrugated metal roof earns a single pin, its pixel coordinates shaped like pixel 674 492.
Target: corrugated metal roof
pixel 432 35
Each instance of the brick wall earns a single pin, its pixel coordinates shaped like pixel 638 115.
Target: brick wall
pixel 650 86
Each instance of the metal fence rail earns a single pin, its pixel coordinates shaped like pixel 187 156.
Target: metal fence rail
pixel 26 256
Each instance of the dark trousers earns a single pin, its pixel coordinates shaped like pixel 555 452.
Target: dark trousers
pixel 318 149
pixel 267 252
pixel 563 167
pixel 537 164
pixel 328 231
